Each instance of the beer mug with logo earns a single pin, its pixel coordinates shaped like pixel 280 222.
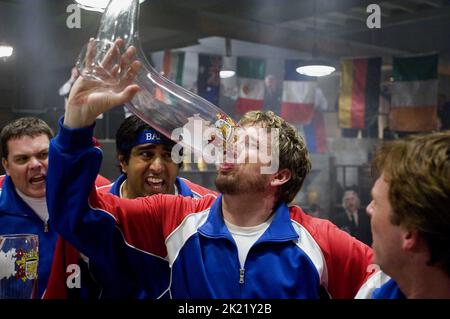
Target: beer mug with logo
pixel 19 257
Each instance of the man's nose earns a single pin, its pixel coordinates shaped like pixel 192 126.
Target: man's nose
pixel 35 163
pixel 157 165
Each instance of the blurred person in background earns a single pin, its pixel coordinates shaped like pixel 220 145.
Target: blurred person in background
pixel 354 220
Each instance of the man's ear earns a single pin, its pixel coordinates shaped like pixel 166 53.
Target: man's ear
pixel 122 163
pixel 281 177
pixel 410 239
pixel 5 165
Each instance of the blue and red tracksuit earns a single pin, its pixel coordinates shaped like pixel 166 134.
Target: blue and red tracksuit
pixel 298 256
pixel 16 217
pixel 66 254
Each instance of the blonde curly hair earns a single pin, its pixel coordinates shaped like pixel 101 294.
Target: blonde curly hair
pixel 293 154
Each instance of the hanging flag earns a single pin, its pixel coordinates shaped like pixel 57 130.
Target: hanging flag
pixel 299 92
pixel 315 134
pixel 250 73
pixel 172 69
pixel 359 95
pixel 414 94
pixel 208 80
pixel 173 66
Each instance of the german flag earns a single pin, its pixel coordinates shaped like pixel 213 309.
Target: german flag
pixel 360 90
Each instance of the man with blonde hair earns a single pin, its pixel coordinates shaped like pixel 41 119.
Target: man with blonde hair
pixel 245 243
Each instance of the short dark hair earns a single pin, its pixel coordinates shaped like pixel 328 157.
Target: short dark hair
pixel 417 170
pixel 127 134
pixel 24 126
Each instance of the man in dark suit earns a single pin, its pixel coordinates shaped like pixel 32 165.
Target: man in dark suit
pixel 353 219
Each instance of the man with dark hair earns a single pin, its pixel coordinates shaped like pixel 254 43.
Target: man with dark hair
pixel 147 169
pixel 246 243
pixel 410 216
pixel 146 164
pixel 23 208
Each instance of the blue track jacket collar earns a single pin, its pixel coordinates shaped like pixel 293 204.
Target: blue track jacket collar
pixel 12 204
pixel 280 229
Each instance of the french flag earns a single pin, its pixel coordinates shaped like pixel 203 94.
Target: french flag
pixel 297 106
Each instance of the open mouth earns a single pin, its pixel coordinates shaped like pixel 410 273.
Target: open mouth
pixel 156 184
pixel 37 180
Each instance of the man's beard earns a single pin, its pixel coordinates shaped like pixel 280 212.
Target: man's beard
pixel 234 184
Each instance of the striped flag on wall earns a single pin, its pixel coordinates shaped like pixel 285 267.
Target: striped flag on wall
pixel 172 69
pixel 173 66
pixel 360 91
pixel 299 91
pixel 414 94
pixel 250 73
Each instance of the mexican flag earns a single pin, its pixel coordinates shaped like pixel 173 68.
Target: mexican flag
pixel 360 92
pixel 250 73
pixel 414 94
pixel 299 92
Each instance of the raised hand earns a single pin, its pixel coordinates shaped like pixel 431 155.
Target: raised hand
pixel 91 97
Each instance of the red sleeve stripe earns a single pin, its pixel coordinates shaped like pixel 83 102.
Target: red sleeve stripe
pixel 122 234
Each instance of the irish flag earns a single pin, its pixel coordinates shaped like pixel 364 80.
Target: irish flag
pixel 360 91
pixel 299 92
pixel 173 65
pixel 414 94
pixel 250 73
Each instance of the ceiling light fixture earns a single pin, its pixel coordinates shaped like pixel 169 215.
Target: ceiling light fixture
pixel 316 66
pixel 225 74
pixel 227 69
pixel 5 50
pixel 95 5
